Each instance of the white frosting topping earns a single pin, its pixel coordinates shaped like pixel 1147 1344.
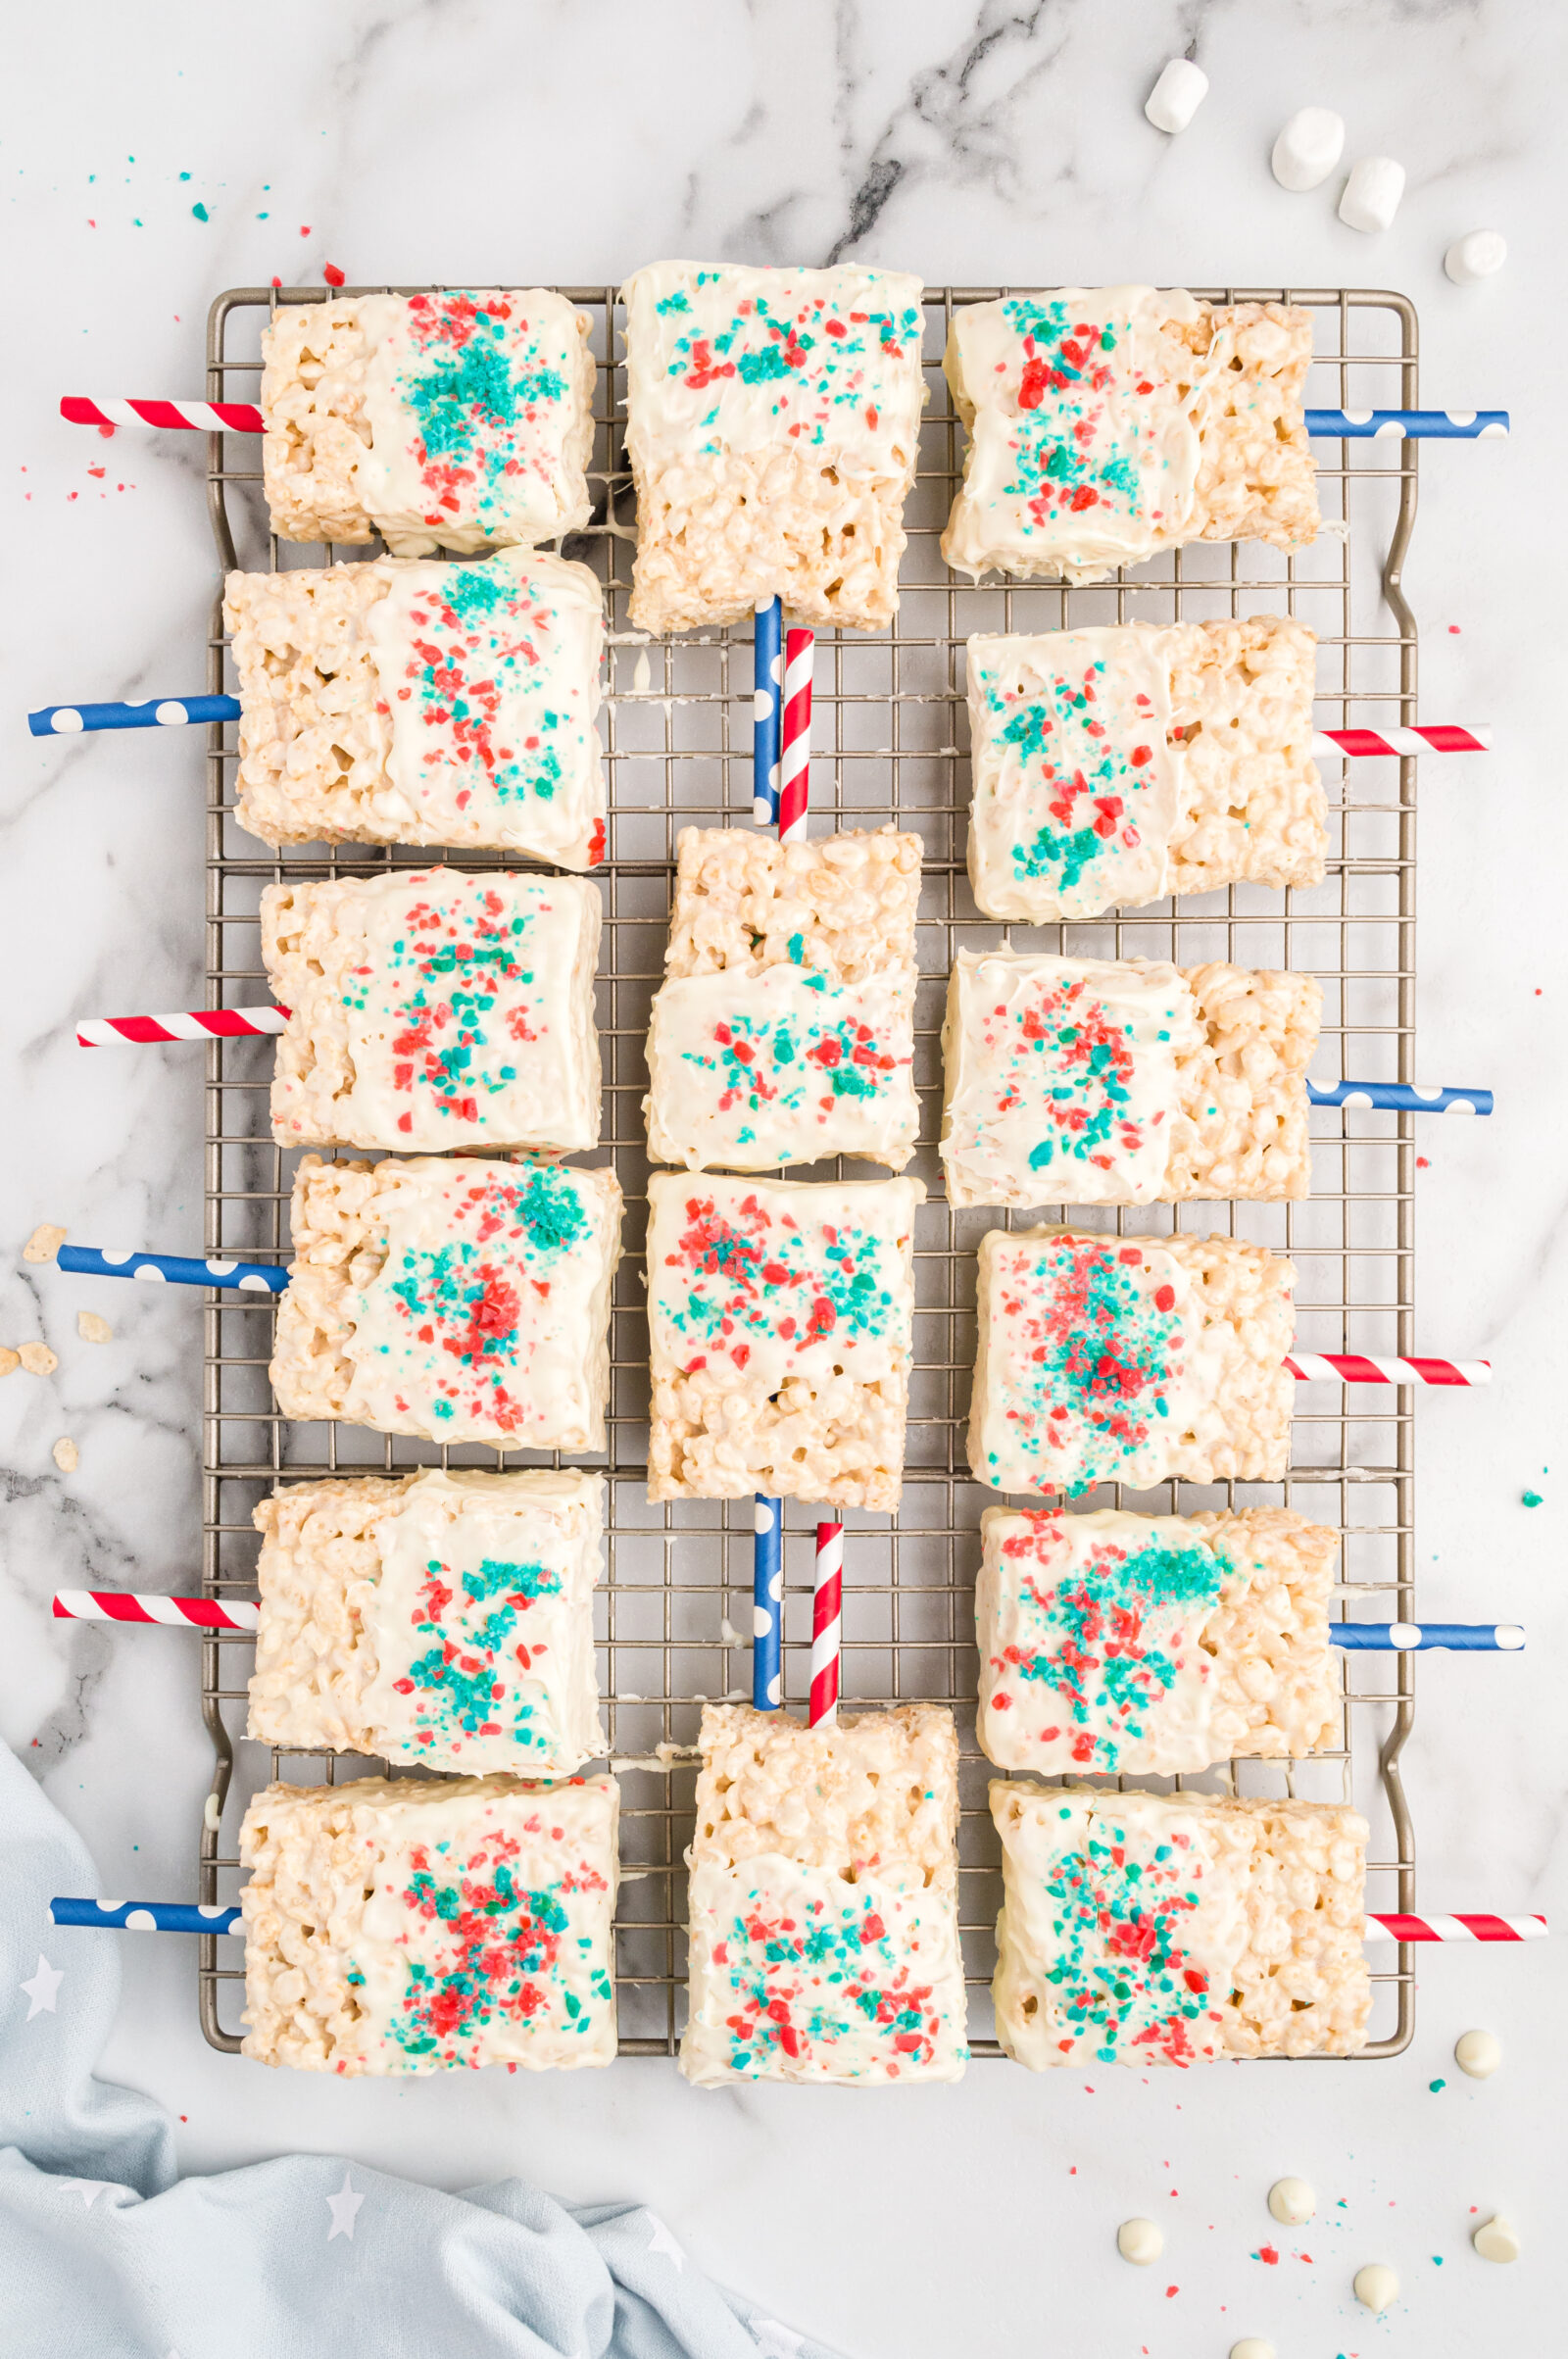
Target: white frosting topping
pixel 1478 2053
pixel 1082 455
pixel 1077 788
pixel 476 411
pixel 489 673
pixel 784 1066
pixel 481 1625
pixel 1292 2202
pixel 727 358
pixel 1139 2241
pixel 1089 1630
pixel 1061 1077
pixel 1376 2285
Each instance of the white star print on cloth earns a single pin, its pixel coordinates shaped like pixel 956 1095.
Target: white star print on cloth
pixel 343 2206
pixel 662 2241
pixel 44 1987
pixel 89 2190
pixel 776 2341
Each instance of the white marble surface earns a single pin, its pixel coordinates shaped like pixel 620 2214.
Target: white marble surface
pixel 489 139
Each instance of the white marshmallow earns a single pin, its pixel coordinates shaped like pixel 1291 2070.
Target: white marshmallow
pixel 1308 148
pixel 1177 95
pixel 1475 257
pixel 1372 193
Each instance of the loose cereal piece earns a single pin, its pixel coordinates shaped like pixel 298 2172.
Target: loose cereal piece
pixel 93 1329
pixel 9 1361
pixel 37 1359
pixel 65 1455
pixel 44 1243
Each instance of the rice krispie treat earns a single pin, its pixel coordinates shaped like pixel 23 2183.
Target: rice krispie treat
pixel 416 1925
pixel 1152 1645
pixel 781 1318
pixel 824 1884
pixel 1115 765
pixel 1173 1929
pixel 784 1030
pixel 439 1618
pixel 1136 1360
pixel 431 1009
pixel 460 419
pixel 773 423
pixel 1107 424
pixel 1099 1082
pixel 407 701
pixel 456 1300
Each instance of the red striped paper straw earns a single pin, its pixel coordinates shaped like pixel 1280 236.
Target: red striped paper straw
pixel 194 1023
pixel 206 418
pixel 1437 737
pixel 828 1623
pixel 1397 1927
pixel 1355 1368
pixel 123 1605
pixel 795 757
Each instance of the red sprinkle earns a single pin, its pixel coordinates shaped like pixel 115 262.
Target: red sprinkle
pixel 331 274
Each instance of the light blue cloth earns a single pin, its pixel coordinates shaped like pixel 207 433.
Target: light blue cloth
pixel 104 2249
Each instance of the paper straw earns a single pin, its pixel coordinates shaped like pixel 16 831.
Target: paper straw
pixel 1398 1096
pixel 766 681
pixel 146 1916
pixel 795 746
pixel 1408 1638
pixel 158 712
pixel 206 418
pixel 174 1614
pixel 828 1623
pixel 768 1605
pixel 194 1023
pixel 1435 737
pixel 1426 426
pixel 1395 1927
pixel 177 1269
pixel 1355 1368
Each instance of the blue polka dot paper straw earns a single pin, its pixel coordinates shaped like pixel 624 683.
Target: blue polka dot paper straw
pixel 1400 425
pixel 1398 1096
pixel 767 704
pixel 768 1605
pixel 767 1547
pixel 173 1269
pixel 158 712
pixel 1409 1638
pixel 145 1916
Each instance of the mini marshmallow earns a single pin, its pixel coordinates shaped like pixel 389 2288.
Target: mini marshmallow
pixel 1475 257
pixel 1176 97
pixel 1308 148
pixel 1372 193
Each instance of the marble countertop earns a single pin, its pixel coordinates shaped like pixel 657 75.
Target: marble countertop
pixel 495 138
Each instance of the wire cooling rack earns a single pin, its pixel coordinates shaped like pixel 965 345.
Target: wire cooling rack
pixel 887 745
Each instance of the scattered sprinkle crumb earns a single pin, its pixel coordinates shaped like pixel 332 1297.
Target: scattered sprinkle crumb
pixel 66 1456
pixel 44 1243
pixel 9 1361
pixel 1453 630
pixel 201 212
pixel 332 274
pixel 1422 1163
pixel 305 229
pixel 1532 1499
pixel 1436 2086
pixel 37 1359
pixel 92 1329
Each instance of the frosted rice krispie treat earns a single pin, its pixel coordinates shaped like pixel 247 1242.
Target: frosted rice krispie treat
pixel 439 1618
pixel 1099 1082
pixel 431 1009
pixel 460 419
pixel 417 1925
pixel 1173 1929
pixel 773 423
pixel 781 1318
pixel 407 701
pixel 1137 1360
pixel 1107 424
pixel 1152 1645
pixel 1116 764
pixel 824 1882
pixel 457 1300
pixel 785 1027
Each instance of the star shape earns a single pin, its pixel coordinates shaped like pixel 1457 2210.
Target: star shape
pixel 343 2206
pixel 44 1987
pixel 662 2241
pixel 776 2341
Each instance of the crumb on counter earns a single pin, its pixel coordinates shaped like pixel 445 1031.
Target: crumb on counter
pixel 93 1329
pixel 44 1243
pixel 37 1359
pixel 9 1361
pixel 66 1456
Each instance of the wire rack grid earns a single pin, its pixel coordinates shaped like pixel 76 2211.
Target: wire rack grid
pixel 888 746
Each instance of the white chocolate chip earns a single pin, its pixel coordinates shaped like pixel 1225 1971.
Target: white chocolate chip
pixel 9 1360
pixel 1177 95
pixel 1478 2053
pixel 66 1456
pixel 212 1815
pixel 92 1329
pixel 1308 148
pixel 1372 193
pixel 1252 2346
pixel 1497 2240
pixel 37 1359
pixel 1475 257
pixel 1376 2287
pixel 1139 2241
pixel 44 1243
pixel 1292 2202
